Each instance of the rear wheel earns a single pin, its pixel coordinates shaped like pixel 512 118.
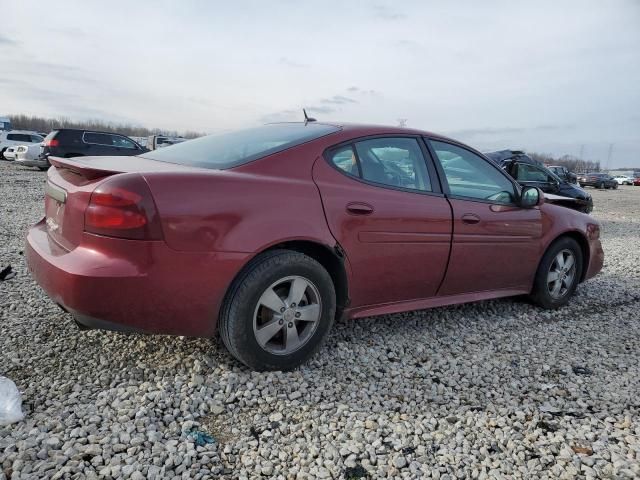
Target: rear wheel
pixel 601 185
pixel 278 311
pixel 558 274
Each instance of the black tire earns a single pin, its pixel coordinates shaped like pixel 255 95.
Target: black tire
pixel 601 186
pixel 615 186
pixel 540 294
pixel 236 321
pixel 2 154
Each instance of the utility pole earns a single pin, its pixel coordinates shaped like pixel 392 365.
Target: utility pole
pixel 581 151
pixel 402 122
pixel 609 156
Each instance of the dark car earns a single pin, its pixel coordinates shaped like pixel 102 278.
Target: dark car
pixel 271 233
pixel 68 143
pixel 597 180
pixel 529 172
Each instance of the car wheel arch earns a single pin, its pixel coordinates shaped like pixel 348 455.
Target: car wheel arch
pixel 581 239
pixel 331 258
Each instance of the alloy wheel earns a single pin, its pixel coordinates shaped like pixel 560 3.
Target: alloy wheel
pixel 287 315
pixel 561 274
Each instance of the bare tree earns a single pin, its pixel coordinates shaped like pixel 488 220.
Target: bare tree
pixel 45 125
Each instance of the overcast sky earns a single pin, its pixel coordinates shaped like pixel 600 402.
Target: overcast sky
pixel 548 76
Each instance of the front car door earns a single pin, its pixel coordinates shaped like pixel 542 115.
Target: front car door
pixel 496 244
pixel 384 206
pixel 533 176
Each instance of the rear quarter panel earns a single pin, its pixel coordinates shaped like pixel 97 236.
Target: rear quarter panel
pixel 244 209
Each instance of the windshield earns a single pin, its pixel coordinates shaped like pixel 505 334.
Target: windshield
pixel 229 150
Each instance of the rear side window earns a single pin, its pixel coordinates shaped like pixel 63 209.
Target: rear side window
pixel 231 149
pixel 393 161
pixel 19 137
pixel 98 138
pixel 36 138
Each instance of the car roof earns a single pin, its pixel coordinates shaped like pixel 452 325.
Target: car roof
pixel 364 129
pixel 22 131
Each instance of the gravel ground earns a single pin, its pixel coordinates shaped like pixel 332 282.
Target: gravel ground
pixel 496 389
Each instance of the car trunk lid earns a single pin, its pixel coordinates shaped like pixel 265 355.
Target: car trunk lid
pixel 70 183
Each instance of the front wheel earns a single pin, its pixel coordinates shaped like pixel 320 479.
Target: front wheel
pixel 558 274
pixel 278 311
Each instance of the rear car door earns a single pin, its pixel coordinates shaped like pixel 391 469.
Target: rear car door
pixel 496 244
pixel 384 206
pixel 98 143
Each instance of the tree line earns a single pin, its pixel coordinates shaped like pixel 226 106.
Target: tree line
pixel 572 163
pixel 45 125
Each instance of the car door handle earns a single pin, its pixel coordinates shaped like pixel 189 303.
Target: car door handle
pixel 470 219
pixel 357 208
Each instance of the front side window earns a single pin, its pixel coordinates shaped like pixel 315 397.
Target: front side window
pixel 123 142
pixel 531 173
pixel 98 138
pixel 471 176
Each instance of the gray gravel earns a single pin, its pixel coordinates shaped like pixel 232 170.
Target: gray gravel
pixel 497 389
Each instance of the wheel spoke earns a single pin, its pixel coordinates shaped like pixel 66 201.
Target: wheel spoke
pixel 568 263
pixel 309 313
pixel 268 331
pixel 560 260
pixel 271 300
pixel 292 340
pixel 553 276
pixel 296 291
pixel 557 286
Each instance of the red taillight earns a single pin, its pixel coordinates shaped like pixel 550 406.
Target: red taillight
pixel 51 143
pixel 123 207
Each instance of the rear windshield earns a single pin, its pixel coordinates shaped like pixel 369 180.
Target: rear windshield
pixel 229 150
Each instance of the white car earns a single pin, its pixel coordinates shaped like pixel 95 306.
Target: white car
pixel 28 155
pixel 15 138
pixel 623 180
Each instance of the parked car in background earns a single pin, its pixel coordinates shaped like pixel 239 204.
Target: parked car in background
pixel 623 180
pixel 564 173
pixel 159 141
pixel 529 172
pixel 597 180
pixel 13 138
pixel 270 233
pixel 636 181
pixel 68 143
pixel 28 155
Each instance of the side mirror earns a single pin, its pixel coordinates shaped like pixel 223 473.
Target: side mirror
pixel 531 197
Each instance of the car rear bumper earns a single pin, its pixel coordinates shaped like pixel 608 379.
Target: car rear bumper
pixel 32 162
pixel 133 285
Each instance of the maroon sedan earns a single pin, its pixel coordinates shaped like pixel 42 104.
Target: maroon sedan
pixel 272 232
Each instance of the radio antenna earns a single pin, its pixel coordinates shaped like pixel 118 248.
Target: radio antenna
pixel 307 118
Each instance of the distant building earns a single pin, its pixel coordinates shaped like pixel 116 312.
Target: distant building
pixel 5 123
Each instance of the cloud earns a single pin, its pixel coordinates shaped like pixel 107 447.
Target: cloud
pixel 317 109
pixel 494 131
pixel 7 42
pixel 289 115
pixel 338 100
pixel 386 13
pixel 292 63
